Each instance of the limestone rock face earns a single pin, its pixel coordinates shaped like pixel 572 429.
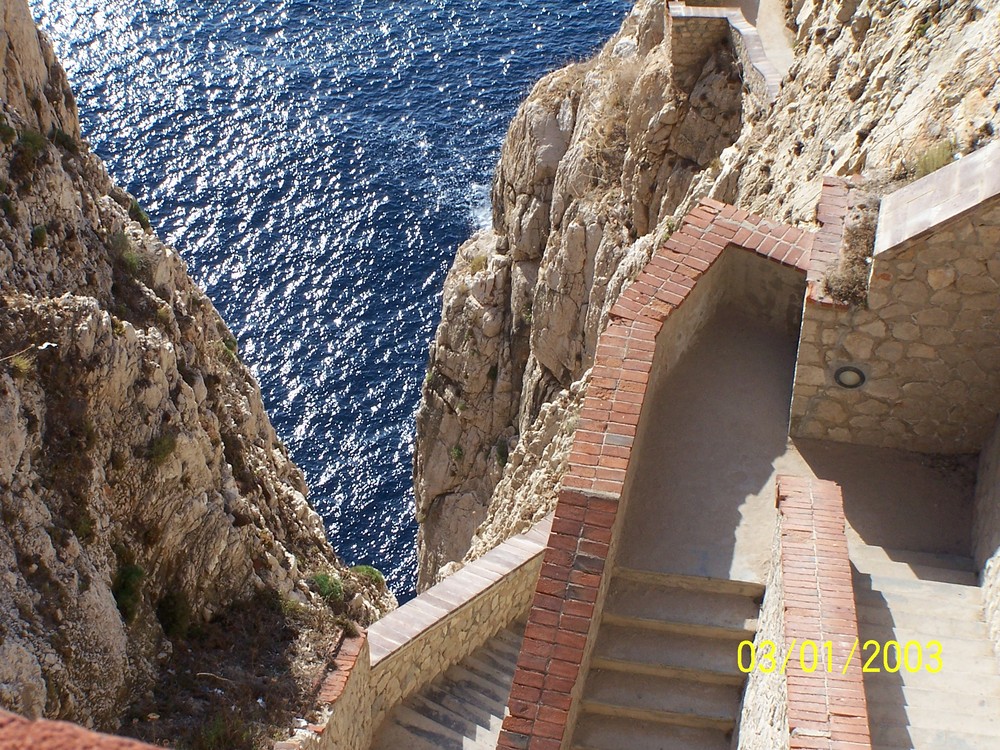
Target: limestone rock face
pixel 595 163
pixel 601 162
pixel 139 474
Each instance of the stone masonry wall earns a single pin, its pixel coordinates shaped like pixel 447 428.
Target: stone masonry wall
pixel 927 341
pixel 764 713
pixel 695 30
pixel 415 643
pixel 986 531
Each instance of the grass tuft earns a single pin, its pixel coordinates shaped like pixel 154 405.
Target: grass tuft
pixel 39 236
pixel 329 587
pixel 160 448
pixel 372 574
pixel 136 213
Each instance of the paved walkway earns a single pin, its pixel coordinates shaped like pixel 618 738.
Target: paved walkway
pixel 769 18
pixel 703 499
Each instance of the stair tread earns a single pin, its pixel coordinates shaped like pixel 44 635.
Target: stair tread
pixel 918 738
pixel 928 716
pixel 865 553
pixel 658 651
pixel 682 606
pixel 917 588
pixel 415 723
pixel 879 615
pixel 660 694
pixel 597 732
pixel 694 583
pixel 458 720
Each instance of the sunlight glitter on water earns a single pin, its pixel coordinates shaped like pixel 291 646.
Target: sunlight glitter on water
pixel 317 164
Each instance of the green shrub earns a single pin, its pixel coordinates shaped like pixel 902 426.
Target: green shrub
pixel 64 140
pixel 39 236
pixel 456 453
pixel 226 731
pixel 7 206
pixel 127 590
pixel 120 243
pixel 329 587
pixel 174 614
pixel 133 262
pixel 22 365
pixel 83 526
pixel 477 264
pixel 136 213
pixel 348 625
pixel 493 372
pixel 164 315
pixel 160 448
pixel 372 574
pixel 7 133
pixel 938 155
pixel 27 151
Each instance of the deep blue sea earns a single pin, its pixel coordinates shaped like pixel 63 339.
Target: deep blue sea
pixel 317 164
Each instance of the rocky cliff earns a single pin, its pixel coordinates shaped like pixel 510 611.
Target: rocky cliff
pixel 143 490
pixel 601 162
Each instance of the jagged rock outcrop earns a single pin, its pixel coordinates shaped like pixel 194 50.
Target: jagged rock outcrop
pixel 601 162
pixel 141 482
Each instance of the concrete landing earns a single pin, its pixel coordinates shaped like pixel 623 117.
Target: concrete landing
pixel 702 503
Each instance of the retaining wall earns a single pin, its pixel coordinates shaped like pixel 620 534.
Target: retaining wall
pixel 986 531
pixel 409 647
pixel 695 30
pixel 827 709
pixel 764 711
pixel 928 339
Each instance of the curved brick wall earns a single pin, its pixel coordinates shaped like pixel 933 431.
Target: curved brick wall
pixel 571 585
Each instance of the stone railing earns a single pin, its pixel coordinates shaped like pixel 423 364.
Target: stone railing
pixel 412 645
pixel 694 30
pixel 650 326
pixel 764 711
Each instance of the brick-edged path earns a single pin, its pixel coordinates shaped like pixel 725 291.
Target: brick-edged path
pixel 573 567
pixel 826 710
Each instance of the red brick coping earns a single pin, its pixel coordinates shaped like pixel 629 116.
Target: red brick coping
pixel 562 612
pixel 17 733
pixel 826 710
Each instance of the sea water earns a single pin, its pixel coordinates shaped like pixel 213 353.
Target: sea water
pixel 317 164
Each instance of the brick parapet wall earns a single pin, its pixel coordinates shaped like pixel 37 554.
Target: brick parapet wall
pixel 827 710
pixel 560 630
pixel 694 30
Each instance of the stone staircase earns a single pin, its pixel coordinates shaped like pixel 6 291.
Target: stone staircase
pixel 663 675
pixel 912 596
pixel 463 708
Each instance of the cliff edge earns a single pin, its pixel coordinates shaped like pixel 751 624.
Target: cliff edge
pixel 149 510
pixel 601 162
